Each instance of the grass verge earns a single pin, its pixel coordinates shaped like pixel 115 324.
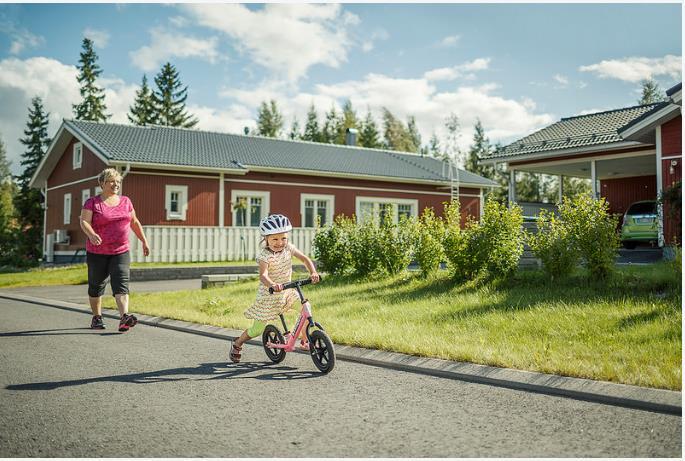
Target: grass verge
pixel 626 330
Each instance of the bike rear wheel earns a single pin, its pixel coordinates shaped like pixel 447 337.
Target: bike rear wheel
pixel 273 335
pixel 321 350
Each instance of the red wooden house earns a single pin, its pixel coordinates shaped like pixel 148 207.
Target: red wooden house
pixel 189 186
pixel 629 154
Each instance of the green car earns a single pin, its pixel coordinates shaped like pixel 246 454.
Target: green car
pixel 639 224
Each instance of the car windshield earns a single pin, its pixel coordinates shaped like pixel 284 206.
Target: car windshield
pixel 642 208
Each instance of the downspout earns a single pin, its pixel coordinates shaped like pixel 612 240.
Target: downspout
pixel 123 175
pixel 44 193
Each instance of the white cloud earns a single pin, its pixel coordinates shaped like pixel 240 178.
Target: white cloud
pixel 450 41
pixel 634 69
pixel 287 39
pixel 166 45
pixel 454 72
pixel 21 39
pixel 561 79
pixel 378 34
pixel 99 37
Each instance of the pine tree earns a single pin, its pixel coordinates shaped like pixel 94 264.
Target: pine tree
pixel 269 120
pixel 143 110
pixel 479 149
pixel 331 126
pixel 28 200
pixel 369 135
pixel 7 211
pixel 651 92
pixel 311 129
pixel 434 148
pixel 295 130
pixel 397 136
pixel 169 99
pixel 93 105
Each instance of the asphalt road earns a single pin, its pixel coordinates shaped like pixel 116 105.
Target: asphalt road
pixel 67 391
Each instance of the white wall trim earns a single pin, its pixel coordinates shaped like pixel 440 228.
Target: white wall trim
pixel 176 175
pixel 672 157
pixel 73 182
pixel 330 209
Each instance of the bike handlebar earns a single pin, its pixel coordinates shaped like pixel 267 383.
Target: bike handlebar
pixel 294 283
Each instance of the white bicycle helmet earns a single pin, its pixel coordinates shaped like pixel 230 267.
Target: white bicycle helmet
pixel 275 224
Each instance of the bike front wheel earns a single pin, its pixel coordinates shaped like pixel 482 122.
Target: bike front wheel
pixel 322 352
pixel 273 335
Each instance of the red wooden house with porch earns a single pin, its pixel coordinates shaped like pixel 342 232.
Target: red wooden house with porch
pixel 200 195
pixel 629 154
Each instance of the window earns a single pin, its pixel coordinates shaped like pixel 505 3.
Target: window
pixel 249 207
pixel 98 190
pixel 85 195
pixel 176 202
pixel 312 206
pixel 67 208
pixel 77 157
pixel 377 208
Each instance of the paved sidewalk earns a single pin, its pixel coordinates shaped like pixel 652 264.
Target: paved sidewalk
pixel 657 400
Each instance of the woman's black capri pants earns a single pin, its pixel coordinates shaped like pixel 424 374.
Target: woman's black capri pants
pixel 117 267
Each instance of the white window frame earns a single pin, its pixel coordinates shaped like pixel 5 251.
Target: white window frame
pixel 377 201
pixel 85 195
pixel 330 206
pixel 67 208
pixel 263 194
pixel 182 192
pixel 77 155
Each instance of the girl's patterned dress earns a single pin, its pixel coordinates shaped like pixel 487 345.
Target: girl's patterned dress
pixel 268 306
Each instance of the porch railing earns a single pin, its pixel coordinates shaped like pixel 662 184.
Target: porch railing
pixel 196 244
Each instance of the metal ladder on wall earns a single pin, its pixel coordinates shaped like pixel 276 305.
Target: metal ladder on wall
pixel 451 171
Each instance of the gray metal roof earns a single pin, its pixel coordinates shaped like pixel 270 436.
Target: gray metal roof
pixel 577 132
pixel 185 147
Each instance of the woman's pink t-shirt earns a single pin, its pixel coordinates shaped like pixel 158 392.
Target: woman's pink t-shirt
pixel 111 223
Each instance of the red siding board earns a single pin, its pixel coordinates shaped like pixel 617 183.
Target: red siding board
pixel 620 193
pixel 64 171
pixel 672 137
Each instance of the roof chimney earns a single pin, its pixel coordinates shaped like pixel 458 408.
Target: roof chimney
pixel 351 136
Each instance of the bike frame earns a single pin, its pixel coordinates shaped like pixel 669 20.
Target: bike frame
pixel 291 338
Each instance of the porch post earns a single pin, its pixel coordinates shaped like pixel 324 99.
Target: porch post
pixel 659 187
pixel 561 187
pixel 482 205
pixel 45 220
pixel 593 175
pixel 221 200
pixel 512 187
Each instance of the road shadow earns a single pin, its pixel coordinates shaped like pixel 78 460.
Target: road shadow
pixel 204 371
pixel 58 331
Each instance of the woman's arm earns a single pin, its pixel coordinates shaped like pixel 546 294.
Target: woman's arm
pixel 308 263
pixel 138 230
pixel 85 220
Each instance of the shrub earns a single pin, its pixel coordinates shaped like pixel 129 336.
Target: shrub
pixel 396 243
pixel 454 240
pixel 332 245
pixel 593 232
pixel 365 248
pixel 499 238
pixel 553 245
pixel 429 232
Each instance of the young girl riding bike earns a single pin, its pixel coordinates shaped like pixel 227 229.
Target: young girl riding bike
pixel 275 269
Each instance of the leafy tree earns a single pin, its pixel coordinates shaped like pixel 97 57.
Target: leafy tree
pixel 348 120
pixel 369 135
pixel 451 148
pixel 651 92
pixel 434 148
pixel 28 201
pixel 295 130
pixel 479 149
pixel 397 136
pixel 413 132
pixel 8 190
pixel 269 120
pixel 143 110
pixel 169 99
pixel 92 107
pixel 311 128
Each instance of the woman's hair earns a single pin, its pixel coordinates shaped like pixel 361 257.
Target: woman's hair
pixel 107 174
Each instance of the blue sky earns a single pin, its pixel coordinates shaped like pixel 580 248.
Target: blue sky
pixel 516 67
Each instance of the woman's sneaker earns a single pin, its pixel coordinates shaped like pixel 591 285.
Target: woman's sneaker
pixel 127 321
pixel 96 323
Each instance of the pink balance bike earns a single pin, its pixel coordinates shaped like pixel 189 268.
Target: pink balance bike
pixel 320 345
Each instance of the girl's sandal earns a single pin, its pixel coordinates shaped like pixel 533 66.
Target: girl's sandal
pixel 234 355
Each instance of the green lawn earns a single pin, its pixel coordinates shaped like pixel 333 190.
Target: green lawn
pixel 627 330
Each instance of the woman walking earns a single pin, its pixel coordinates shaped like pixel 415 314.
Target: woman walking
pixel 106 219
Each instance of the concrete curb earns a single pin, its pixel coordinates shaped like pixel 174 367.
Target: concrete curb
pixel 642 398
